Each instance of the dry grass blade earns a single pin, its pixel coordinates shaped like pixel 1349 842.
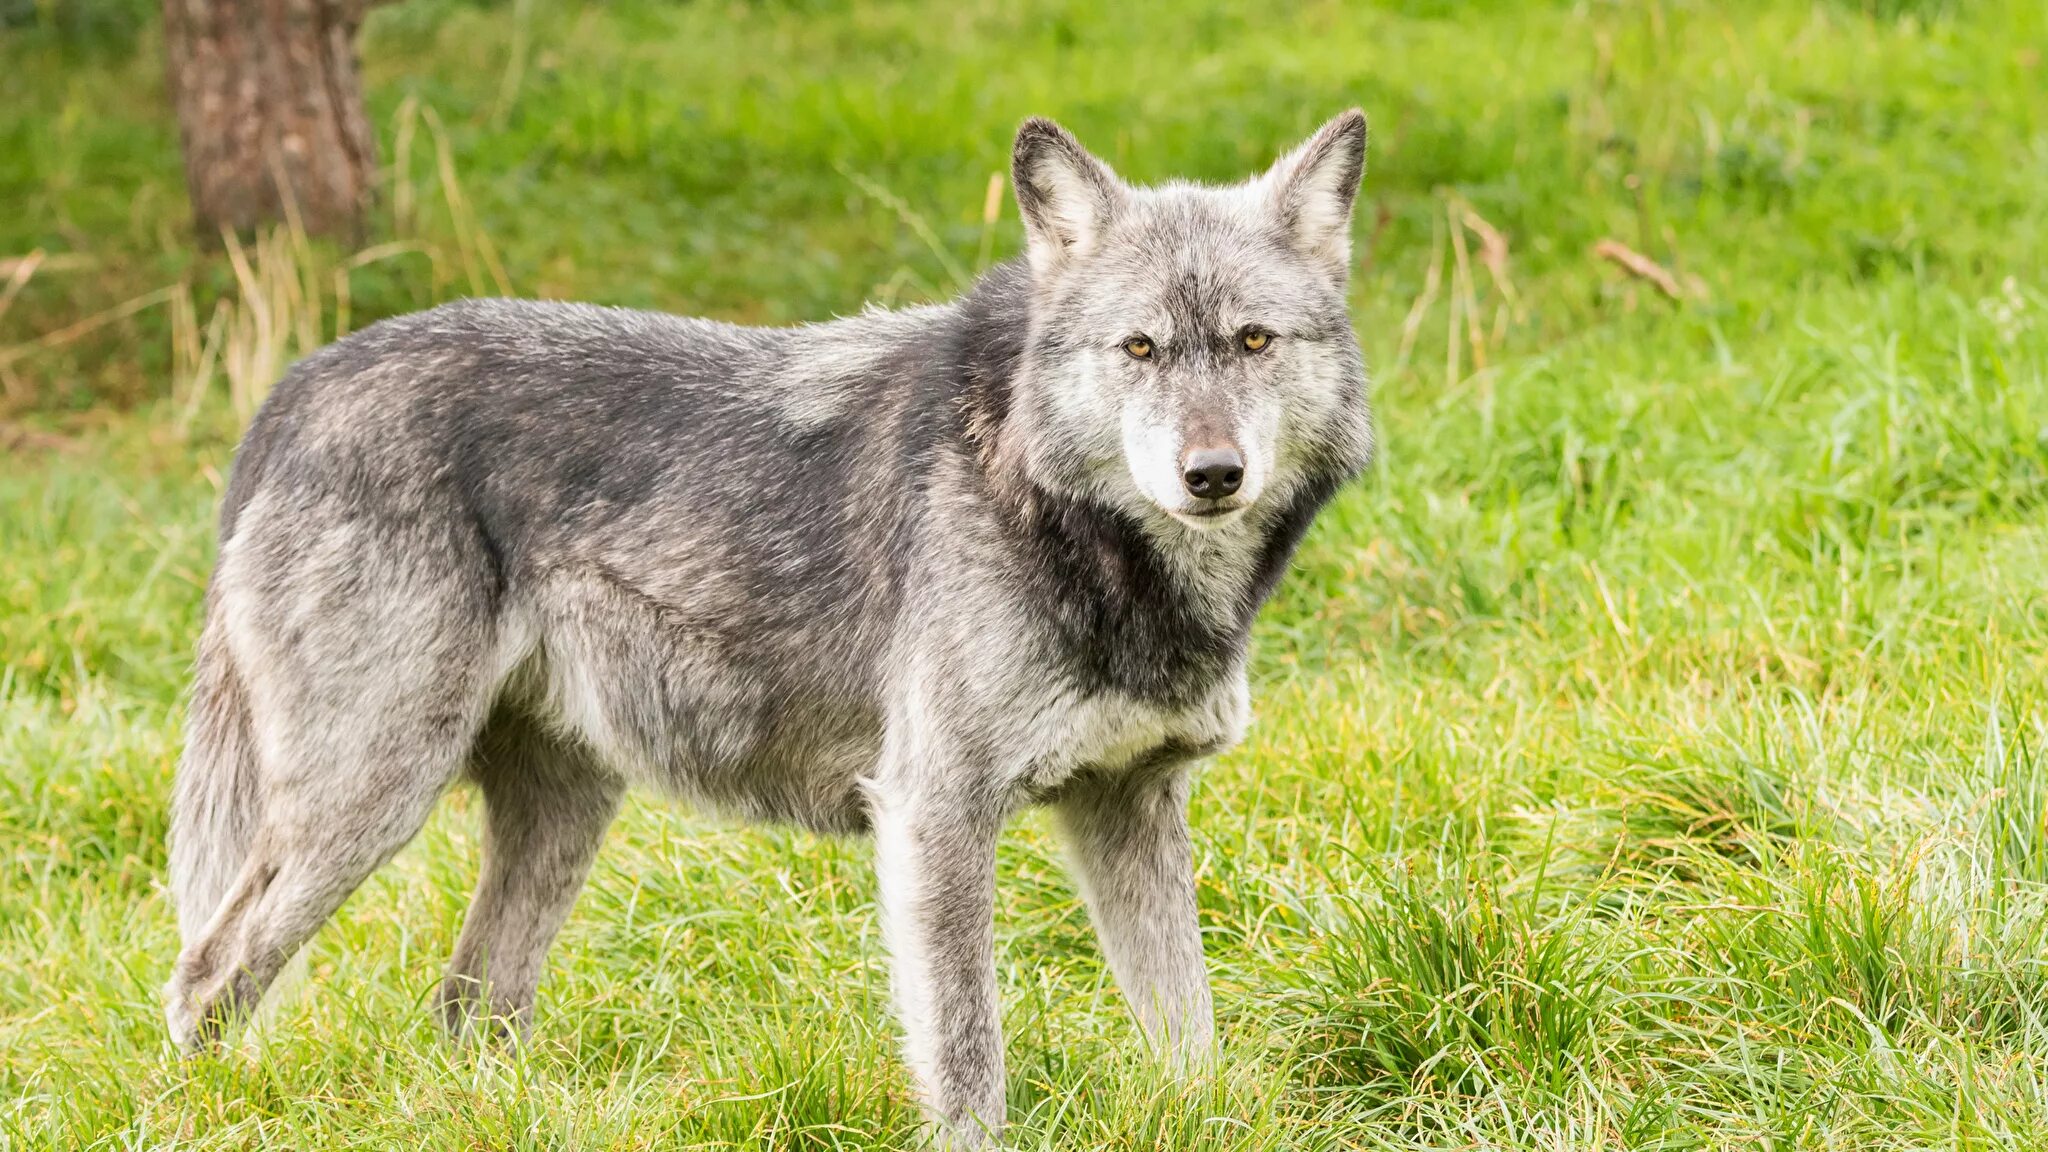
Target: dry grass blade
pixel 407 121
pixel 991 215
pixel 195 376
pixel 18 279
pixel 185 341
pixel 93 323
pixel 515 64
pixel 61 262
pixel 1467 296
pixel 1493 252
pixel 18 272
pixel 305 285
pixel 1452 368
pixel 275 317
pixel 14 438
pixel 470 239
pixel 875 191
pixel 255 340
pixel 1411 327
pixel 344 295
pixel 1640 266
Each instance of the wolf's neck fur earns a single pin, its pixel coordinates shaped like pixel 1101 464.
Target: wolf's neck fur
pixel 1147 608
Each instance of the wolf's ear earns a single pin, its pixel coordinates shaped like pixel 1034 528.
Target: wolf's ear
pixel 1066 196
pixel 1314 186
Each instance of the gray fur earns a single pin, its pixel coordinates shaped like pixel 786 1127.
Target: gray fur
pixel 902 573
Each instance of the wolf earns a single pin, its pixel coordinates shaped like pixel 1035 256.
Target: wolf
pixel 901 574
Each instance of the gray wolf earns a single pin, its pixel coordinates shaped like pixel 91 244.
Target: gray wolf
pixel 900 574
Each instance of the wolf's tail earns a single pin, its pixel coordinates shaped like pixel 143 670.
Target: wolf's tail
pixel 216 803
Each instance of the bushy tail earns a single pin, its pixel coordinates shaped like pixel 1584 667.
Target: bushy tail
pixel 215 804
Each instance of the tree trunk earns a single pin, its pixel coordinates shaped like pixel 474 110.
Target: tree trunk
pixel 270 106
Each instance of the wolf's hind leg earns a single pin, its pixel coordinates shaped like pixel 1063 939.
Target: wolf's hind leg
pixel 546 807
pixel 309 854
pixel 368 676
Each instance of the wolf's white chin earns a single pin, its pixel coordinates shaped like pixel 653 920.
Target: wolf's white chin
pixel 1210 522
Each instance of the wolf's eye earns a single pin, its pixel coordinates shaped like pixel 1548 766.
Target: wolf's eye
pixel 1139 348
pixel 1254 340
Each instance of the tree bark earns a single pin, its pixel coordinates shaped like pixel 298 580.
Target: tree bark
pixel 270 106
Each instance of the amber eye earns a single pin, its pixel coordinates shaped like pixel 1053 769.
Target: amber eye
pixel 1139 348
pixel 1255 340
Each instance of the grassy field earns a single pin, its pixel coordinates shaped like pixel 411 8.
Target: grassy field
pixel 1650 751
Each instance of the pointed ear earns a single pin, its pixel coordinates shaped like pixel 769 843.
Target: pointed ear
pixel 1314 186
pixel 1066 196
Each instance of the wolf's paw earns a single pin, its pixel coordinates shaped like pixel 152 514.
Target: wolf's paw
pixel 469 1017
pixel 183 1018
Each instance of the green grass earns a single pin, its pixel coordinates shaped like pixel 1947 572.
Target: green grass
pixel 1652 752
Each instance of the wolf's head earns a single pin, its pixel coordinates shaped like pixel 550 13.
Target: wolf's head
pixel 1190 352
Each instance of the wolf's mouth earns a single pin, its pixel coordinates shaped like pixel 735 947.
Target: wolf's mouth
pixel 1211 515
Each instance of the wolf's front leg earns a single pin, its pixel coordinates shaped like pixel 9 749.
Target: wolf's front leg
pixel 935 851
pixel 1128 840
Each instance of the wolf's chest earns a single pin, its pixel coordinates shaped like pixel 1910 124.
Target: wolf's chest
pixel 1109 733
pixel 1133 618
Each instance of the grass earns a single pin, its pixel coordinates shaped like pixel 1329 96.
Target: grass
pixel 1652 752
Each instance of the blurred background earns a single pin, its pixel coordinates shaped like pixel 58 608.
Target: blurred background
pixel 788 159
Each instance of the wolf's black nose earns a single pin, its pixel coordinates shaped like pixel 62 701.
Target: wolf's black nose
pixel 1212 473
